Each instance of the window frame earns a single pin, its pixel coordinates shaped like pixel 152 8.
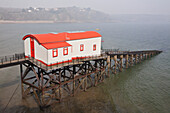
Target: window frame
pixel 94 47
pixel 55 51
pixel 81 47
pixel 65 51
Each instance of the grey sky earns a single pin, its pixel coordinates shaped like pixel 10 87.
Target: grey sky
pixel 108 6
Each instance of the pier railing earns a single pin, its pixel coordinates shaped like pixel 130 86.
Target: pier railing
pixel 12 58
pixel 131 52
pixel 20 58
pixel 107 50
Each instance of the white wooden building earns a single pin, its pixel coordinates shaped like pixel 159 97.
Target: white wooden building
pixel 54 48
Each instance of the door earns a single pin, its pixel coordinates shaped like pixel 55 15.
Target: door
pixel 32 47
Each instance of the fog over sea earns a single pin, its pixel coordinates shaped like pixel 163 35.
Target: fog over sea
pixel 143 88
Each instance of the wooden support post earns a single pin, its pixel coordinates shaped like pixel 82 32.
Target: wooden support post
pixel 59 85
pixel 121 62
pixel 74 73
pixel 127 61
pixel 64 74
pixel 140 57
pixel 115 65
pixel 38 79
pixel 95 64
pixel 109 65
pixel 131 60
pixel 21 74
pixel 146 56
pixel 42 87
pixel 136 58
pixel 103 63
pixel 37 97
pixel 96 74
pixel 85 80
pixel 96 81
pixel 149 55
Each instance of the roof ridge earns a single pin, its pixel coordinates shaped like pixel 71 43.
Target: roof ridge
pixel 64 36
pixel 53 42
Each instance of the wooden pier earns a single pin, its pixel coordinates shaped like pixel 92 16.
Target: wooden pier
pixel 50 84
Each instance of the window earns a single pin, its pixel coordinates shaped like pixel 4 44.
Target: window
pixel 82 47
pixel 55 52
pixel 65 51
pixel 94 47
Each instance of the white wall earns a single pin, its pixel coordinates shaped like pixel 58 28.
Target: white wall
pixel 27 47
pixel 88 47
pixel 60 56
pixel 40 52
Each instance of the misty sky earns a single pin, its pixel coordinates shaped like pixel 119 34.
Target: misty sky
pixel 107 6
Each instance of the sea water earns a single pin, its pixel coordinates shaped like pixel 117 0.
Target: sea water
pixel 143 88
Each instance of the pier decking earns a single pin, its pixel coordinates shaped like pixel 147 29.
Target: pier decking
pixel 56 82
pixel 16 59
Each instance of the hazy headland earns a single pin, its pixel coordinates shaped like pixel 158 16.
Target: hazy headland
pixel 72 15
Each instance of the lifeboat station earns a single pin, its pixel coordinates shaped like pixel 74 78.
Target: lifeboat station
pixel 62 47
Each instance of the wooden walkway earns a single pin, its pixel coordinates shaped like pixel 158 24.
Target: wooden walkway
pixel 131 52
pixel 12 60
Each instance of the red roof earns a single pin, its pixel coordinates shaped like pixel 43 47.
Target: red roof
pixel 51 40
pixel 50 37
pixel 56 45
